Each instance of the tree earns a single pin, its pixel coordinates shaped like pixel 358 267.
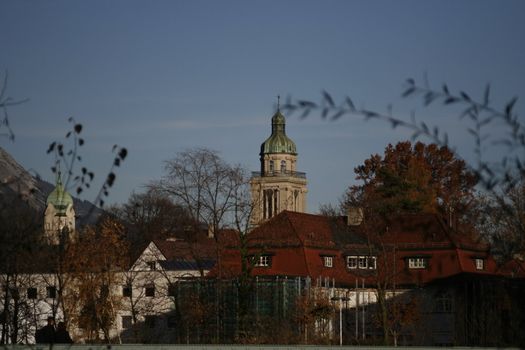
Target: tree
pixel 207 187
pixel 313 313
pixel 95 262
pixel 500 179
pixel 217 194
pixel 7 101
pixel 503 221
pixel 419 178
pixel 496 178
pixel 203 183
pixel 152 215
pixel 19 230
pixel 67 156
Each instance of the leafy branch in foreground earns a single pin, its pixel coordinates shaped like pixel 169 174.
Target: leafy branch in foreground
pixel 503 180
pixel 67 155
pixel 6 101
pixel 481 114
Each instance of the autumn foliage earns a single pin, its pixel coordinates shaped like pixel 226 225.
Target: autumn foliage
pixel 94 262
pixel 413 178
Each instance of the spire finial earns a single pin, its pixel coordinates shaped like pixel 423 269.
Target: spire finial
pixel 278 103
pixel 59 174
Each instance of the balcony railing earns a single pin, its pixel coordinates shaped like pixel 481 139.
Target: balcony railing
pixel 298 174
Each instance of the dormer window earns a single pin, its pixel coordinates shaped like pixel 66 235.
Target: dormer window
pixel 263 261
pixel 362 262
pixel 480 264
pixel 351 262
pixel 328 261
pixel 417 263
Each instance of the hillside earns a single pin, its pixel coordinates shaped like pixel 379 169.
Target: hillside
pixel 16 182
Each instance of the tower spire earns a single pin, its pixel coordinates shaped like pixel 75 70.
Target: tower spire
pixel 58 180
pixel 278 103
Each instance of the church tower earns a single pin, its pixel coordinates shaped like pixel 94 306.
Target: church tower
pixel 278 186
pixel 59 217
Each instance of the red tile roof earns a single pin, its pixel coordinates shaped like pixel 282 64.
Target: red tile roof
pixel 200 247
pixel 297 243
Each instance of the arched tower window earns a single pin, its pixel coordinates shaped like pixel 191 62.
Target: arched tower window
pixel 283 166
pixel 271 166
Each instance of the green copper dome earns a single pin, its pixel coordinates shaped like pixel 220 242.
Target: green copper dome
pixel 278 142
pixel 60 199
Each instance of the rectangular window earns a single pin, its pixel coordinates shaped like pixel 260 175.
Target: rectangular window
pixel 328 261
pixel 51 292
pixel 150 321
pixel 480 264
pixel 127 291
pixel 417 263
pixel 362 262
pixel 32 293
pixel 351 262
pixel 127 322
pixel 372 262
pixel 150 290
pixel 152 265
pixel 14 293
pixel 263 261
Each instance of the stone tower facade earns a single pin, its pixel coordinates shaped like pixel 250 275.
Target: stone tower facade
pixel 59 217
pixel 278 185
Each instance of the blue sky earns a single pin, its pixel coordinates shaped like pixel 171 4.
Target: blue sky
pixel 159 77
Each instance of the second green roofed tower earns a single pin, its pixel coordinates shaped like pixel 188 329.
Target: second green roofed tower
pixel 59 217
pixel 278 185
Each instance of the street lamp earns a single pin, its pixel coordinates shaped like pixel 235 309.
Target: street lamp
pixel 340 299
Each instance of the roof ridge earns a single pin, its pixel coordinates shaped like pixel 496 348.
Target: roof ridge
pixel 286 213
pixel 303 246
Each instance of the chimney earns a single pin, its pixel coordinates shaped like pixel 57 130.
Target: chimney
pixel 355 216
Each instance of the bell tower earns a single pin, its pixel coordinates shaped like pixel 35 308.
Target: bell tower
pixel 59 217
pixel 278 185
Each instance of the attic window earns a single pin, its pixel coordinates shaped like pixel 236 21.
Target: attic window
pixel 152 266
pixel 480 264
pixel 263 261
pixel 361 262
pixel 417 263
pixel 328 261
